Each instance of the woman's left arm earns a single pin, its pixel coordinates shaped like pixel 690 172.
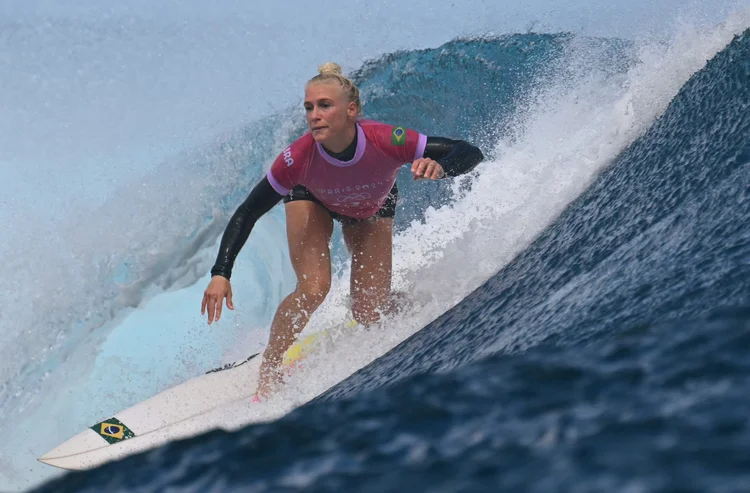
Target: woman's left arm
pixel 454 157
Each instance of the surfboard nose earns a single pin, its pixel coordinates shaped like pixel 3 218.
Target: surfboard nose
pixel 85 441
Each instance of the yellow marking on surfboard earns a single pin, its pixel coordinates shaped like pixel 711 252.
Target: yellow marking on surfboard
pixel 302 347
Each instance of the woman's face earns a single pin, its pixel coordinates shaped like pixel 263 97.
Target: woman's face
pixel 329 115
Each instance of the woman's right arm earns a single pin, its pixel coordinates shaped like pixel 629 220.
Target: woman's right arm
pixel 260 200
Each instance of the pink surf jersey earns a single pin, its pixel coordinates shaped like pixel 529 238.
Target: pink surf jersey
pixel 356 188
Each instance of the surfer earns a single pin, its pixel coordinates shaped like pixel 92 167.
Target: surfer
pixel 343 169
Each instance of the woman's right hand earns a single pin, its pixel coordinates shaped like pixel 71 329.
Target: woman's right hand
pixel 213 297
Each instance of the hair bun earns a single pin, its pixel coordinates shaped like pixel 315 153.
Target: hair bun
pixel 330 68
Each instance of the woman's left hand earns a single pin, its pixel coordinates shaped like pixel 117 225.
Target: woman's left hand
pixel 426 168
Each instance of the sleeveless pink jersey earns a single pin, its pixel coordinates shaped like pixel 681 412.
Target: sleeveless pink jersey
pixel 356 188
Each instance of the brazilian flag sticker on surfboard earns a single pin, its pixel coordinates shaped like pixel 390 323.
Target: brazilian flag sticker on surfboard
pixel 113 431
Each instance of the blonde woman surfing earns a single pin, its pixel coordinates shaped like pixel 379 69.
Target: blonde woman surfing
pixel 343 169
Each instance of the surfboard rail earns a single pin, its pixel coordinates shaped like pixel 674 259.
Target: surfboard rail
pixel 171 414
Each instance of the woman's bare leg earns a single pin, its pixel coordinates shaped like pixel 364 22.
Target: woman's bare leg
pixel 371 246
pixel 309 228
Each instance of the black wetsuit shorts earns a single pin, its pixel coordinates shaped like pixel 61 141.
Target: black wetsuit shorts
pixel 387 211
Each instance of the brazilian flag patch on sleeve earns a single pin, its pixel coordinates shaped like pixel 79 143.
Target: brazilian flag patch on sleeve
pixel 398 137
pixel 112 430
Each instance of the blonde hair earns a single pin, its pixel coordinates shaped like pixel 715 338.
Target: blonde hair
pixel 331 72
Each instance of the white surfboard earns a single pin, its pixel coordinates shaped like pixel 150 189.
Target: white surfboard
pixel 178 412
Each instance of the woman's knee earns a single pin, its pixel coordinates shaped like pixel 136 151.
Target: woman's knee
pixel 314 290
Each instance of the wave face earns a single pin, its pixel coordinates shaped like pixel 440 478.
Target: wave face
pixel 610 353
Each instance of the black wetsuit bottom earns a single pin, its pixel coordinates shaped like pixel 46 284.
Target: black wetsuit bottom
pixel 387 211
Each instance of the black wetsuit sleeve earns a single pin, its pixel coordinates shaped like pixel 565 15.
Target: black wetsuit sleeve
pixel 455 156
pixel 261 199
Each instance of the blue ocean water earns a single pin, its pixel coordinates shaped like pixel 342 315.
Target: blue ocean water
pixel 609 354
